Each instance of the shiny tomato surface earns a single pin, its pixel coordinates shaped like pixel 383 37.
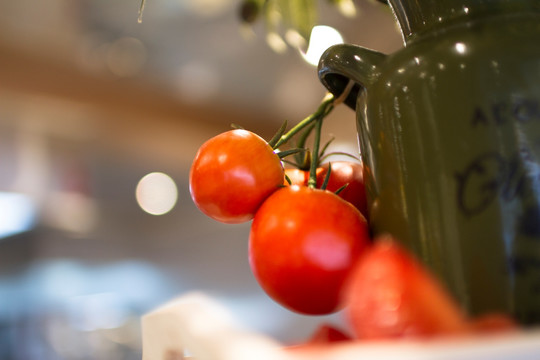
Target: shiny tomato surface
pixel 303 244
pixel 232 174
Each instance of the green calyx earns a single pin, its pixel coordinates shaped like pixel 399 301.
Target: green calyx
pixel 304 158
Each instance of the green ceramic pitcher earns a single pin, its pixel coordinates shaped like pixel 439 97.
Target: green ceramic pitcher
pixel 449 132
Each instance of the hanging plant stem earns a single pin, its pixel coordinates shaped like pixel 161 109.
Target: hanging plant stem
pixel 304 160
pixel 312 181
pixel 324 109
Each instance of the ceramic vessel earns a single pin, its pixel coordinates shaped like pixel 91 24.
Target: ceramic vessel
pixel 449 132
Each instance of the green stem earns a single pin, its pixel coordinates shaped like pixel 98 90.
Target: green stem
pixel 324 109
pixel 312 181
pixel 326 156
pixel 303 160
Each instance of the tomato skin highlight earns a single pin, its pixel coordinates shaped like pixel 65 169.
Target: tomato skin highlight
pixel 303 244
pixel 232 174
pixel 343 173
pixel 391 295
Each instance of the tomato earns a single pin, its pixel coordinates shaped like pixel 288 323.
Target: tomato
pixel 343 173
pixel 303 244
pixel 232 174
pixel 327 333
pixel 491 323
pixel 350 173
pixel 297 176
pixel 390 294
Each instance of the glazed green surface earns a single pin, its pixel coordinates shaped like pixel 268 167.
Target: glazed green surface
pixel 449 131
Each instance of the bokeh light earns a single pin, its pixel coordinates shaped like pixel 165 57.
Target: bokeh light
pixel 156 193
pixel 322 37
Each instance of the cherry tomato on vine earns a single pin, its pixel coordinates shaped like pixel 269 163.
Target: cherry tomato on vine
pixel 350 173
pixel 298 176
pixel 303 244
pixel 232 174
pixel 391 295
pixel 343 172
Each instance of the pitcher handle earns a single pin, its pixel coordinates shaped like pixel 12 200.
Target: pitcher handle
pixel 344 62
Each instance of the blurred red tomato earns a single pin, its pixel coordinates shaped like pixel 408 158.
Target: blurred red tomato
pixel 327 333
pixel 490 323
pixel 392 295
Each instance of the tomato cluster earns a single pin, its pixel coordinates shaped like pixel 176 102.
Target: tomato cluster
pixel 303 240
pixel 309 244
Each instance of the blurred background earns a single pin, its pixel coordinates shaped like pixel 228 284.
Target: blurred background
pixel 100 118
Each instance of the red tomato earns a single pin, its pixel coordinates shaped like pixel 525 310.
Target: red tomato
pixel 232 174
pixel 343 172
pixel 346 172
pixel 327 333
pixel 303 244
pixel 391 295
pixel 490 323
pixel 324 336
pixel 297 176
